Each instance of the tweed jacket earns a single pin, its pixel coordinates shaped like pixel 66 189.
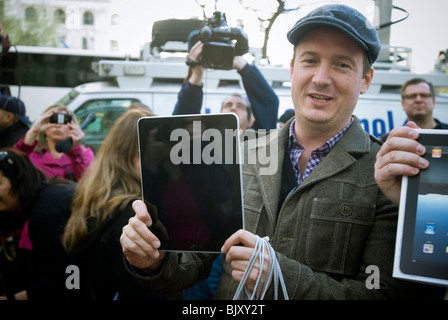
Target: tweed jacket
pixel 327 232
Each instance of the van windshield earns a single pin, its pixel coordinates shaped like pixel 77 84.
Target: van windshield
pixel 69 97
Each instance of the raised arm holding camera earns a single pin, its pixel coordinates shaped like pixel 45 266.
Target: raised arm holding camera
pixel 53 125
pixel 209 49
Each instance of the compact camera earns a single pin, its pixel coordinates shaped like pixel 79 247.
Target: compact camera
pixel 60 118
pixel 221 43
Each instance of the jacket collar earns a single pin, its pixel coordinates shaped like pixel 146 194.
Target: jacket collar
pixel 353 144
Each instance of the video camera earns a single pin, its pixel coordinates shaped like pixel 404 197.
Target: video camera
pixel 219 47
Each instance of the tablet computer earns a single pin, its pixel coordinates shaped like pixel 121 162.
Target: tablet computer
pixel 421 252
pixel 191 174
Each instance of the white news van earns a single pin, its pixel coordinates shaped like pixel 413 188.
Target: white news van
pixel 156 83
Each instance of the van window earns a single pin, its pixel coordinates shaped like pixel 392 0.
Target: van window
pixel 69 97
pixel 107 111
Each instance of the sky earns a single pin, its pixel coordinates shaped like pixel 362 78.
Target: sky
pixel 424 31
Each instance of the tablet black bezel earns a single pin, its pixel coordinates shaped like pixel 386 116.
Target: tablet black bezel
pixel 407 265
pixel 227 120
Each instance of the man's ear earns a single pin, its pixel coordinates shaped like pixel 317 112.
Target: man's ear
pixel 291 68
pixel 9 116
pixel 366 81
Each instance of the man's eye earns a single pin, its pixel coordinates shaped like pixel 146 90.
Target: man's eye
pixel 344 66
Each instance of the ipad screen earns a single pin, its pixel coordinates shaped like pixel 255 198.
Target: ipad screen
pixel 192 176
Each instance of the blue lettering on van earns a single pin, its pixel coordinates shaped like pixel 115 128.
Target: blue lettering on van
pixel 378 127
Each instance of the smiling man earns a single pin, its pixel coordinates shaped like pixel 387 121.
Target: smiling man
pixel 327 220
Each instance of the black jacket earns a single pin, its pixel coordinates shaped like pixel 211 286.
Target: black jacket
pixel 264 101
pixel 49 260
pixel 103 275
pixel 10 136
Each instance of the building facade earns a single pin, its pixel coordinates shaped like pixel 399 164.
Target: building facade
pixel 82 24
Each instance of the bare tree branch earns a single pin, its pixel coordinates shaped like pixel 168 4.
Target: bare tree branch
pixel 280 10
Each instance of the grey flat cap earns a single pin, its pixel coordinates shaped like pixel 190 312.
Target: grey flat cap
pixel 350 21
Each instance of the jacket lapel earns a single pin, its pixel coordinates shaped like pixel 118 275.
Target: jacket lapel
pixel 269 175
pixel 355 142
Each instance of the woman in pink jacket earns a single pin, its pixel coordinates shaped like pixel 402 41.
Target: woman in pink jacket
pixel 53 125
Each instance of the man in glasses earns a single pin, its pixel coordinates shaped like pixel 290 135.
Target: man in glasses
pixel 418 101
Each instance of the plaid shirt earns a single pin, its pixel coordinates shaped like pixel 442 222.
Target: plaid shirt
pixel 296 150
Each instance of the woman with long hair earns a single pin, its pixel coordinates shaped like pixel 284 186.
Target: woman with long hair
pixel 100 209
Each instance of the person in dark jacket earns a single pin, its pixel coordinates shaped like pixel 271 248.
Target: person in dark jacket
pixel 101 207
pixel 418 98
pixel 13 120
pixel 258 111
pixel 319 208
pixel 33 213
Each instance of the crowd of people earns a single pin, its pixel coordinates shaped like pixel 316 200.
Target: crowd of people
pixel 77 208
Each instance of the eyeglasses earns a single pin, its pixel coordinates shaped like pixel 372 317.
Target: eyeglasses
pixel 414 95
pixel 4 156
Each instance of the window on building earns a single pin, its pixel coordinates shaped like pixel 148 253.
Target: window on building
pixel 115 19
pixel 113 45
pixel 59 16
pixel 88 18
pixel 30 14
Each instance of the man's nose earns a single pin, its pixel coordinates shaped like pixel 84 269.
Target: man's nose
pixel 233 107
pixel 322 76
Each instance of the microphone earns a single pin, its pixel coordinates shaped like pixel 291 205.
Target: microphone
pixel 66 144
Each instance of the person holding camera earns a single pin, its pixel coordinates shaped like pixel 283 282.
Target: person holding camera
pixel 258 111
pixel 101 207
pixel 55 124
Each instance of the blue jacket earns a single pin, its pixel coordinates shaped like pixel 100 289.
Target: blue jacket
pixel 263 100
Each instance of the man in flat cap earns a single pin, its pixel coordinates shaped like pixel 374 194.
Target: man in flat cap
pixel 332 229
pixel 14 122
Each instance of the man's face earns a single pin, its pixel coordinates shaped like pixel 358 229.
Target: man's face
pixel 326 79
pixel 418 101
pixel 238 106
pixel 8 201
pixel 6 119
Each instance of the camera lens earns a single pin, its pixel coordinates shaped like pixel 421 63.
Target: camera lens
pixel 60 118
pixel 217 55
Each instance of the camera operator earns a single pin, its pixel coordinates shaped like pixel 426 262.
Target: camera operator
pixel 258 111
pixel 53 125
